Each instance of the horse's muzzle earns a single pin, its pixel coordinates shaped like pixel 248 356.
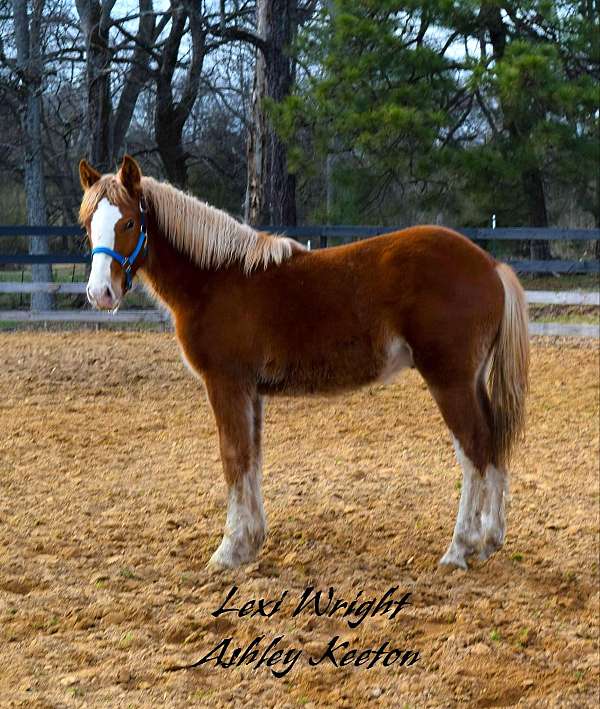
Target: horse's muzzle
pixel 102 297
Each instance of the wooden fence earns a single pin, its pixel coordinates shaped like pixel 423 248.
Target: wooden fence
pixel 324 236
pixel 316 237
pixel 161 317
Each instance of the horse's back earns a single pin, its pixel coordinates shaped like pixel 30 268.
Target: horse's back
pixel 417 276
pixel 356 306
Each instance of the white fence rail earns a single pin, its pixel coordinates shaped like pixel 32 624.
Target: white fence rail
pixel 548 297
pixel 70 288
pixel 158 316
pixel 93 316
pixel 564 329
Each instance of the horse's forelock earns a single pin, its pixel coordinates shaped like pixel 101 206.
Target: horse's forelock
pixel 108 186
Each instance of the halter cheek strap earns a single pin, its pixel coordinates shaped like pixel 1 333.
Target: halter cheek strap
pixel 127 262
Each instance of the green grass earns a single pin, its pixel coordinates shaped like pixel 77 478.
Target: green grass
pixel 61 273
pixel 12 326
pixel 583 318
pixel 126 640
pixel 127 573
pixel 588 282
pixel 524 637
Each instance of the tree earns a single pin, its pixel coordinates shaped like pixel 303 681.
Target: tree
pixel 107 126
pixel 29 68
pixel 170 114
pixel 95 23
pixel 271 187
pixel 536 93
pixel 382 95
pixel 480 108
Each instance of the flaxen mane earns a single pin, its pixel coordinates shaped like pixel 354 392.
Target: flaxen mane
pixel 208 236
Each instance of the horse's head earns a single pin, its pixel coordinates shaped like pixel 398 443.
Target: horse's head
pixel 112 211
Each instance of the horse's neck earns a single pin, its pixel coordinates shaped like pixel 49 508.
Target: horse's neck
pixel 169 273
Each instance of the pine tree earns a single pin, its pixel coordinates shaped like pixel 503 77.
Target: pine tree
pixel 483 105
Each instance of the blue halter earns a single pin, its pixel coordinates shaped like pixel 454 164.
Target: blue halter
pixel 126 262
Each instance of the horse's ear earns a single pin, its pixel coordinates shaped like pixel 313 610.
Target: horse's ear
pixel 130 174
pixel 87 174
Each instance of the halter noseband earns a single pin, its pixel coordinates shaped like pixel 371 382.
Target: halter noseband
pixel 126 262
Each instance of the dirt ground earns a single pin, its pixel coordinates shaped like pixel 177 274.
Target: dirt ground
pixel 112 501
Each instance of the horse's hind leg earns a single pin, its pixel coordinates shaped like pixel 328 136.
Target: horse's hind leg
pixel 465 414
pixel 493 515
pixel 493 520
pixel 239 420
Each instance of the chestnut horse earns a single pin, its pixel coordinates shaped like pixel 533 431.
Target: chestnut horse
pixel 259 315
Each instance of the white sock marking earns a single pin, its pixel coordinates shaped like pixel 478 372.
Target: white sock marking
pixel 493 518
pixel 467 536
pixel 246 525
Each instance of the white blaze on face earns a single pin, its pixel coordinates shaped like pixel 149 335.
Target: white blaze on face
pixel 104 220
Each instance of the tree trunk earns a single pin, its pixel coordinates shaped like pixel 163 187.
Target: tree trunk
pixel 170 116
pixel 594 201
pixel 597 224
pixel 271 190
pixel 256 211
pixel 95 21
pixel 106 129
pixel 332 156
pixel 531 178
pixel 329 186
pixel 137 76
pixel 168 133
pixel 533 188
pixel 29 61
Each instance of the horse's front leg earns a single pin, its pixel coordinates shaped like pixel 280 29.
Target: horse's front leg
pixel 238 414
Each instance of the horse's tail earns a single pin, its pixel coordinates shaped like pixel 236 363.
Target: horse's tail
pixel 508 378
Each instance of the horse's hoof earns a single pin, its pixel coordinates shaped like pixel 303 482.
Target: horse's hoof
pixel 452 560
pixel 487 550
pixel 227 559
pixel 216 566
pixel 221 561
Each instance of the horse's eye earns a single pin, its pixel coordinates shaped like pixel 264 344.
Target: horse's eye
pixel 129 224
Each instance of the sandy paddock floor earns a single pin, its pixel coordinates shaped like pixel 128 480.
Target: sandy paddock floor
pixel 112 501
